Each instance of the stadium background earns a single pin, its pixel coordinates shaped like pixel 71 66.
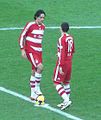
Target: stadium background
pixel 15 71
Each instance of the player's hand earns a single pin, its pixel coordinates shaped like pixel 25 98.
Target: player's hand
pixel 23 54
pixel 61 71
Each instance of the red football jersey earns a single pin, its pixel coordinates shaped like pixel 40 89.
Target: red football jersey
pixel 31 37
pixel 65 48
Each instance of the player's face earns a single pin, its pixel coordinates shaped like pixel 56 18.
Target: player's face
pixel 40 19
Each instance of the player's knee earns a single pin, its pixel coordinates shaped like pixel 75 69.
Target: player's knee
pixel 40 67
pixel 33 72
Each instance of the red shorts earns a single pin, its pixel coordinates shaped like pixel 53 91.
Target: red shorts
pixel 35 58
pixel 67 68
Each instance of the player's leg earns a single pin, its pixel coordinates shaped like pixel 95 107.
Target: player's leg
pixel 35 80
pixel 66 82
pixel 38 76
pixel 32 78
pixel 58 78
pixel 67 88
pixel 37 63
pixel 33 88
pixel 61 91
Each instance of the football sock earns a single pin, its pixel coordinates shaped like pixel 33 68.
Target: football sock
pixel 37 79
pixel 67 89
pixel 32 85
pixel 62 92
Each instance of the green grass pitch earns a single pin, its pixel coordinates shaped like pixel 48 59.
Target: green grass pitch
pixel 86 74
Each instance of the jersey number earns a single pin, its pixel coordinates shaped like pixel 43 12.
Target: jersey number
pixel 70 47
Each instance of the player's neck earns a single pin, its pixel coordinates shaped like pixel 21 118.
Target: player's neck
pixel 62 33
pixel 38 22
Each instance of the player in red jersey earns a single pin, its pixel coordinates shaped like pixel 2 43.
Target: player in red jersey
pixel 30 42
pixel 62 71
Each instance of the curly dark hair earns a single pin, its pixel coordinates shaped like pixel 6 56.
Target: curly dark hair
pixel 38 13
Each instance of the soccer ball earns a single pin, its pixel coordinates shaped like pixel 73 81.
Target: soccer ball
pixel 40 100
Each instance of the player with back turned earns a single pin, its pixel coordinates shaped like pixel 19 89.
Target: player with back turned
pixel 62 71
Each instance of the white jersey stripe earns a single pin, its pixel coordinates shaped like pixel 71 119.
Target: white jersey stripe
pixel 24 32
pixel 68 37
pixel 37 48
pixel 21 39
pixel 60 49
pixel 34 40
pixel 41 32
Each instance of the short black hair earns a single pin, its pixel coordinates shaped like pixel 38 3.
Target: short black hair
pixel 65 26
pixel 38 13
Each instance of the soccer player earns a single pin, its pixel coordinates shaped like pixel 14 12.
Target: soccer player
pixel 62 71
pixel 30 42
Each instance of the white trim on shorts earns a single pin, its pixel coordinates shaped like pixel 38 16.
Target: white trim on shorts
pixel 32 59
pixel 56 73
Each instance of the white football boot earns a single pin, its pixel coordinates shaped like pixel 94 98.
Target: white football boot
pixel 66 104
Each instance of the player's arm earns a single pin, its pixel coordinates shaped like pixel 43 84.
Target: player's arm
pixel 62 56
pixel 23 53
pixel 22 40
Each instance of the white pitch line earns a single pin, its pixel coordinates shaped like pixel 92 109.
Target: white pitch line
pixel 43 106
pixel 54 27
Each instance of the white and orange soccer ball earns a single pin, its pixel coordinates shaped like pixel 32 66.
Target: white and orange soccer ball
pixel 40 100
